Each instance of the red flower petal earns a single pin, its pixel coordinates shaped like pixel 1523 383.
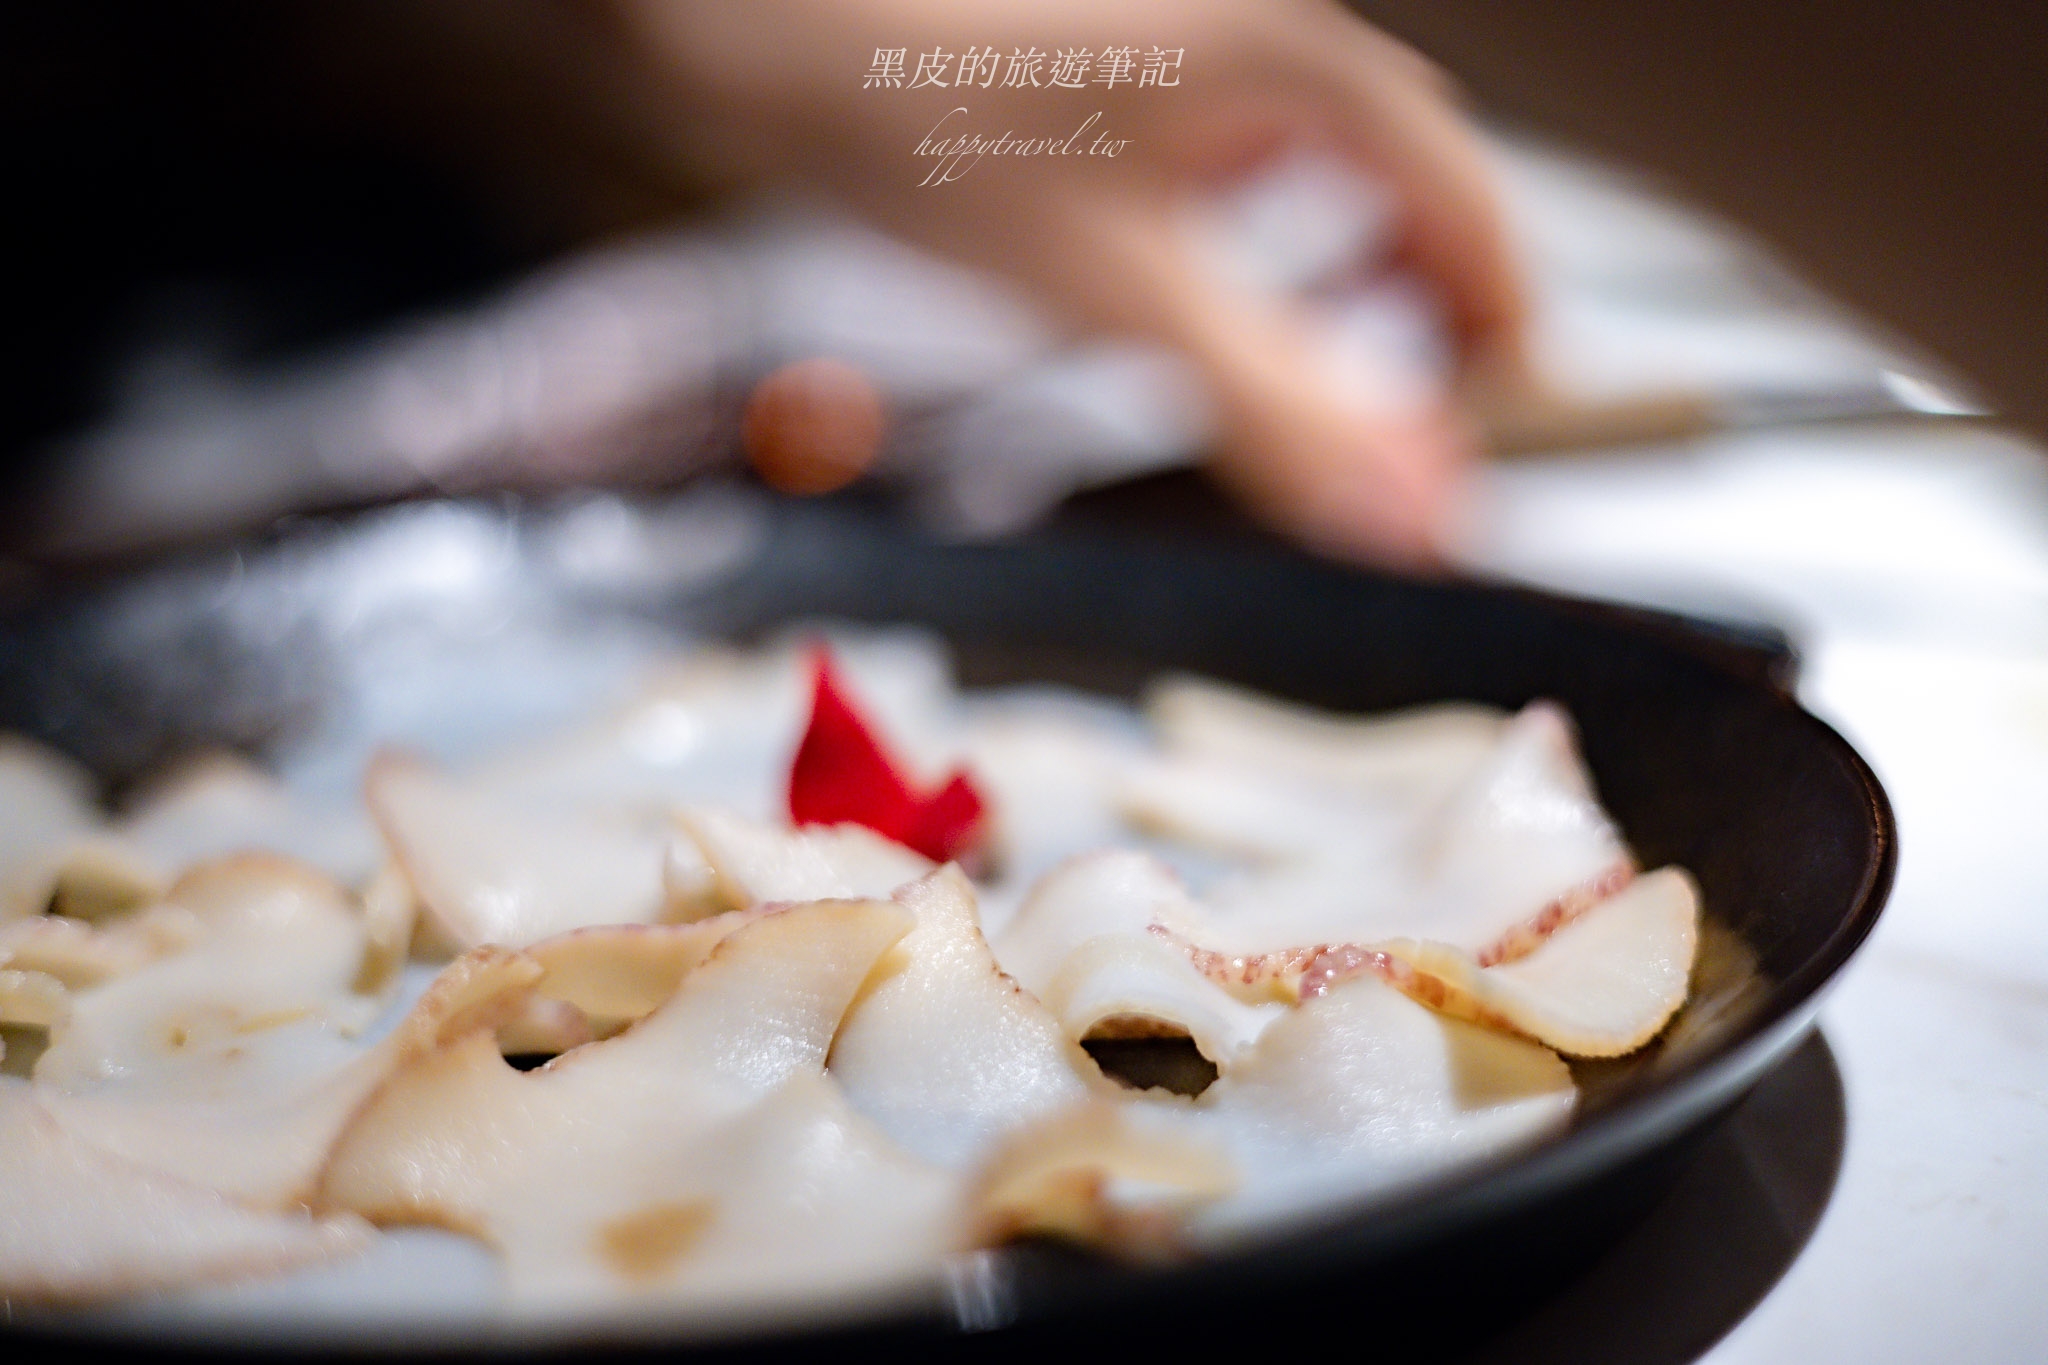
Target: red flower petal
pixel 844 775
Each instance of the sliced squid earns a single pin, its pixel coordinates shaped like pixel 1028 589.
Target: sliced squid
pixel 1518 848
pixel 264 1128
pixel 753 863
pixel 1052 776
pixel 701 1156
pixel 795 1064
pixel 279 944
pixel 46 805
pixel 81 953
pixel 1418 754
pixel 713 727
pixel 1245 812
pixel 1362 1090
pixel 222 804
pixel 391 912
pixel 1100 1174
pixel 1099 941
pixel 1601 986
pixel 718 728
pixel 489 870
pixel 944 1050
pixel 234 1063
pixel 212 807
pixel 615 974
pixel 32 999
pixel 80 1226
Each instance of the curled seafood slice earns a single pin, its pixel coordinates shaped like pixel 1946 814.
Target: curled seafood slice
pixel 1601 986
pixel 277 942
pixel 80 953
pixel 491 870
pixel 700 1155
pixel 82 1226
pixel 220 804
pixel 1417 754
pixel 944 1050
pixel 1083 943
pixel 46 804
pixel 231 1064
pixel 715 727
pixel 32 999
pixel 214 806
pixel 1364 1086
pixel 1517 849
pixel 614 974
pixel 753 863
pixel 1103 1174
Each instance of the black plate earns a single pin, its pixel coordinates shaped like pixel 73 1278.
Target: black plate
pixel 1691 733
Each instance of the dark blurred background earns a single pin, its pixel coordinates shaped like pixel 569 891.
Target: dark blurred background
pixel 1896 153
pixel 267 176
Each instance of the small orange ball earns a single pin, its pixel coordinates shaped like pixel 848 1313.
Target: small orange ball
pixel 813 426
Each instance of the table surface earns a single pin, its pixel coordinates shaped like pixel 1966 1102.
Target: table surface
pixel 1910 564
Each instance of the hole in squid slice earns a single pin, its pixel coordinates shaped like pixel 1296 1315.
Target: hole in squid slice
pixel 1150 1061
pixel 1101 941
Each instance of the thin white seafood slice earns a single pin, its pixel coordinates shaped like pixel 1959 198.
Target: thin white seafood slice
pixel 32 999
pixel 1362 1091
pixel 753 863
pixel 489 870
pixel 1518 849
pixel 46 804
pixel 1526 834
pixel 1243 811
pixel 1257 778
pixel 391 912
pixel 260 1123
pixel 81 953
pixel 101 877
pixel 211 807
pixel 81 1226
pixel 233 1063
pixel 1052 774
pixel 614 974
pixel 1084 943
pixel 1103 1175
pixel 1418 754
pixel 701 1156
pixel 719 726
pixel 1601 986
pixel 279 942
pixel 944 1050
pixel 221 803
pixel 713 725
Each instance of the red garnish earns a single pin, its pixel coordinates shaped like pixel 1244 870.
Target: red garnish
pixel 843 775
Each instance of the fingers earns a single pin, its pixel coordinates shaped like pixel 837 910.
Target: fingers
pixel 1379 486
pixel 1392 110
pixel 1353 474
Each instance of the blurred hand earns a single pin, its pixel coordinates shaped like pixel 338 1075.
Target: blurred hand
pixel 667 96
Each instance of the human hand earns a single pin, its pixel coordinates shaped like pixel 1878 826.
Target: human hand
pixel 685 92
